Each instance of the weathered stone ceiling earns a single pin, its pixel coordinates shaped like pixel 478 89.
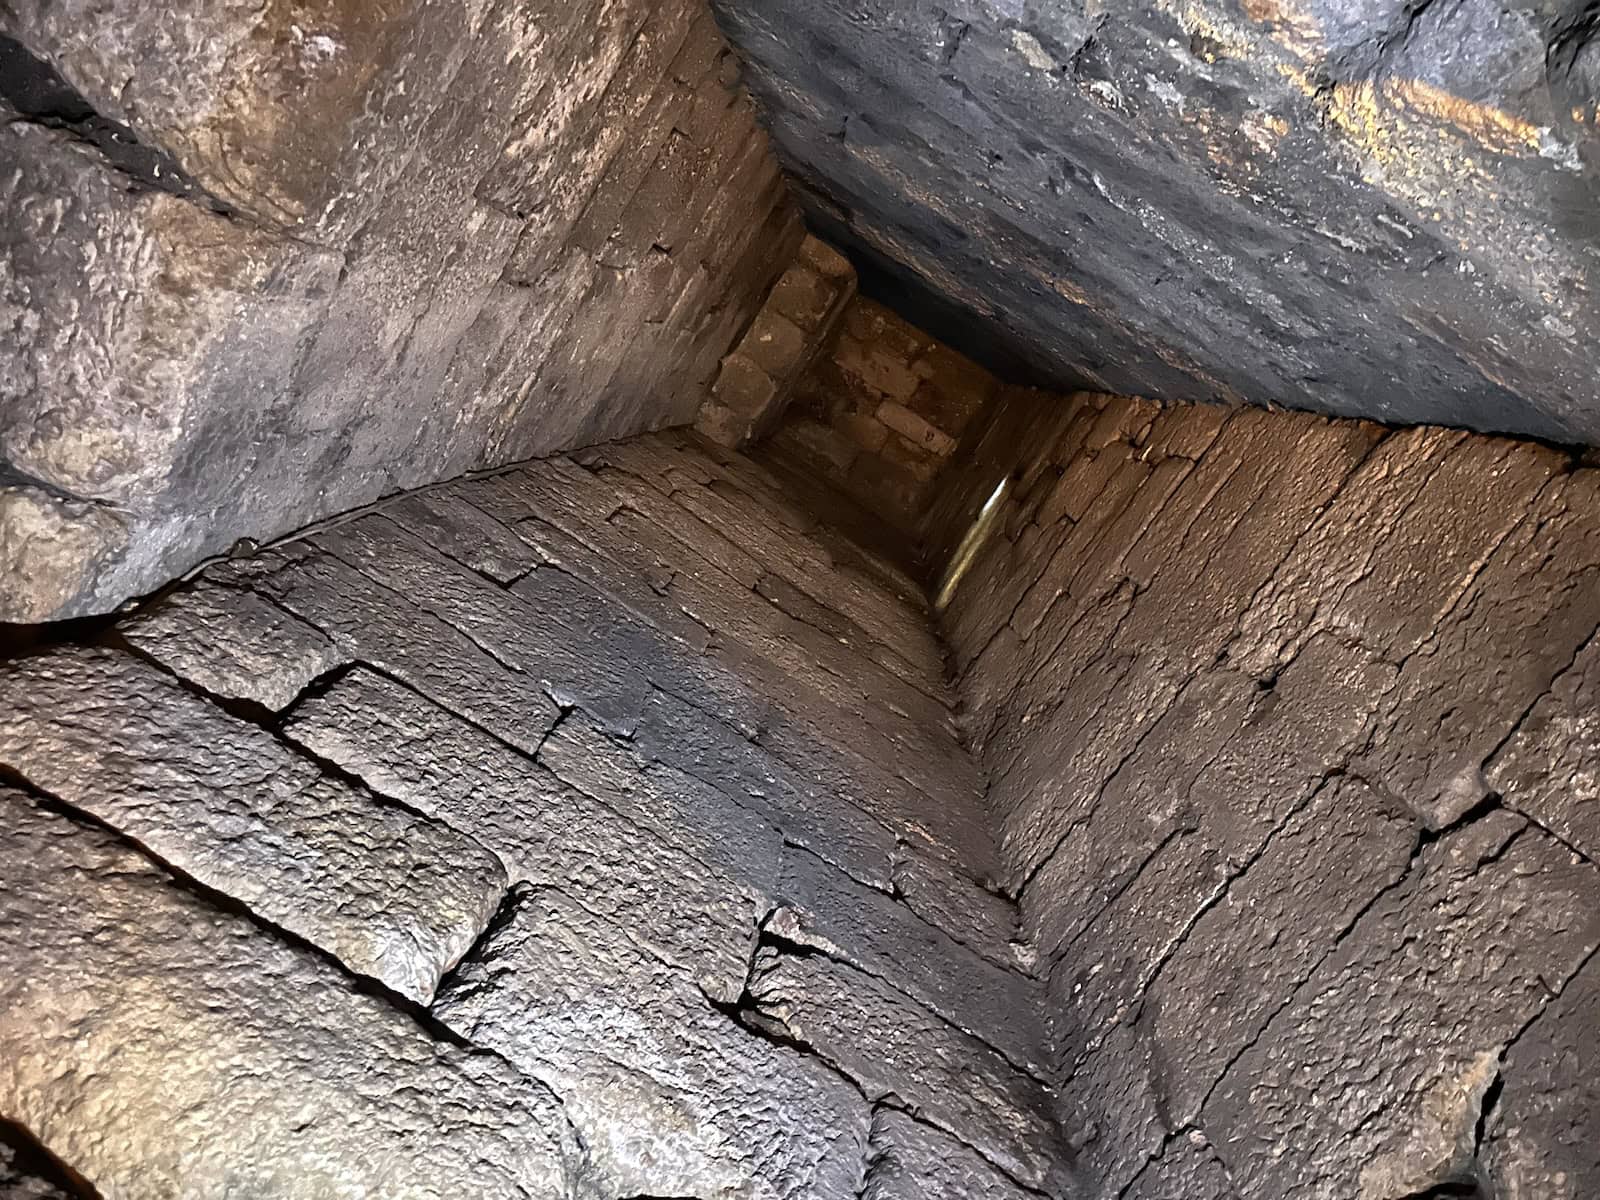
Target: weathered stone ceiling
pixel 1370 207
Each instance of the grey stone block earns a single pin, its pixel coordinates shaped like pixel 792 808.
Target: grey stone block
pixel 826 909
pixel 1381 1063
pixel 1548 767
pixel 910 1161
pixel 389 893
pixel 160 1047
pixel 375 625
pixel 237 645
pixel 681 909
pixel 894 1047
pixel 670 1096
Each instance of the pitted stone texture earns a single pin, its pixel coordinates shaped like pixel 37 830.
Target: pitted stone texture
pixel 389 893
pixel 681 908
pixel 386 245
pixel 1542 1138
pixel 143 319
pixel 1550 767
pixel 669 1095
pixel 892 1046
pixel 236 645
pixel 160 1047
pixel 980 920
pixel 50 549
pixel 593 675
pixel 1457 962
pixel 910 1161
pixel 375 625
pixel 828 910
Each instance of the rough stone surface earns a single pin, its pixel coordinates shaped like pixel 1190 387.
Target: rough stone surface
pixel 390 894
pixel 796 324
pixel 886 940
pixel 894 1047
pixel 236 646
pixel 683 910
pixel 1550 767
pixel 669 1096
pixel 267 265
pixel 913 1162
pixel 881 412
pixel 1285 727
pixel 1290 203
pixel 161 1047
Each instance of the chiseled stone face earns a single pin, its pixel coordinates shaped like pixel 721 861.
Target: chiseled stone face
pixel 391 894
pixel 1361 208
pixel 161 1047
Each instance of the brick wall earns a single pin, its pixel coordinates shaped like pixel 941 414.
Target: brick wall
pixel 882 413
pixel 266 269
pixel 1288 729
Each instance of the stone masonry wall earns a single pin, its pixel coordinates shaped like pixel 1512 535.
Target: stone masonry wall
pixel 595 828
pixel 265 263
pixel 1290 730
pixel 796 325
pixel 881 415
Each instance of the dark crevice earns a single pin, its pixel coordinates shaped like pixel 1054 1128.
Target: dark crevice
pixel 39 95
pixel 24 1159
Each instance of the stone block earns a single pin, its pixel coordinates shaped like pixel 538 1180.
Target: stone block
pixel 1541 1136
pixel 826 909
pixel 234 644
pixel 159 1046
pixel 775 344
pixel 682 910
pixel 1381 1063
pixel 386 892
pixel 745 387
pixel 1550 767
pixel 911 1161
pixel 892 1046
pixel 825 260
pixel 803 296
pixel 51 551
pixel 381 628
pixel 877 366
pixel 916 429
pixel 148 325
pixel 818 445
pixel 669 1095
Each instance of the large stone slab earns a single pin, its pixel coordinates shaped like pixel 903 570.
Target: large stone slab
pixel 391 894
pixel 146 323
pixel 910 1161
pixel 236 645
pixel 894 1047
pixel 382 628
pixel 161 1047
pixel 827 909
pixel 1550 767
pixel 1378 1068
pixel 1542 1137
pixel 682 909
pixel 670 1096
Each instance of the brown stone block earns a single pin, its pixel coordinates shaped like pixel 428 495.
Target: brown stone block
pixel 775 344
pixel 916 429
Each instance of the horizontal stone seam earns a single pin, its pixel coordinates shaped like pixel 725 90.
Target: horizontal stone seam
pixel 748 1003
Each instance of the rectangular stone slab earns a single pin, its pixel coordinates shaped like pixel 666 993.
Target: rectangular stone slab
pixel 671 1096
pixel 910 1161
pixel 389 893
pixel 161 1047
pixel 828 910
pixel 894 1047
pixel 680 908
